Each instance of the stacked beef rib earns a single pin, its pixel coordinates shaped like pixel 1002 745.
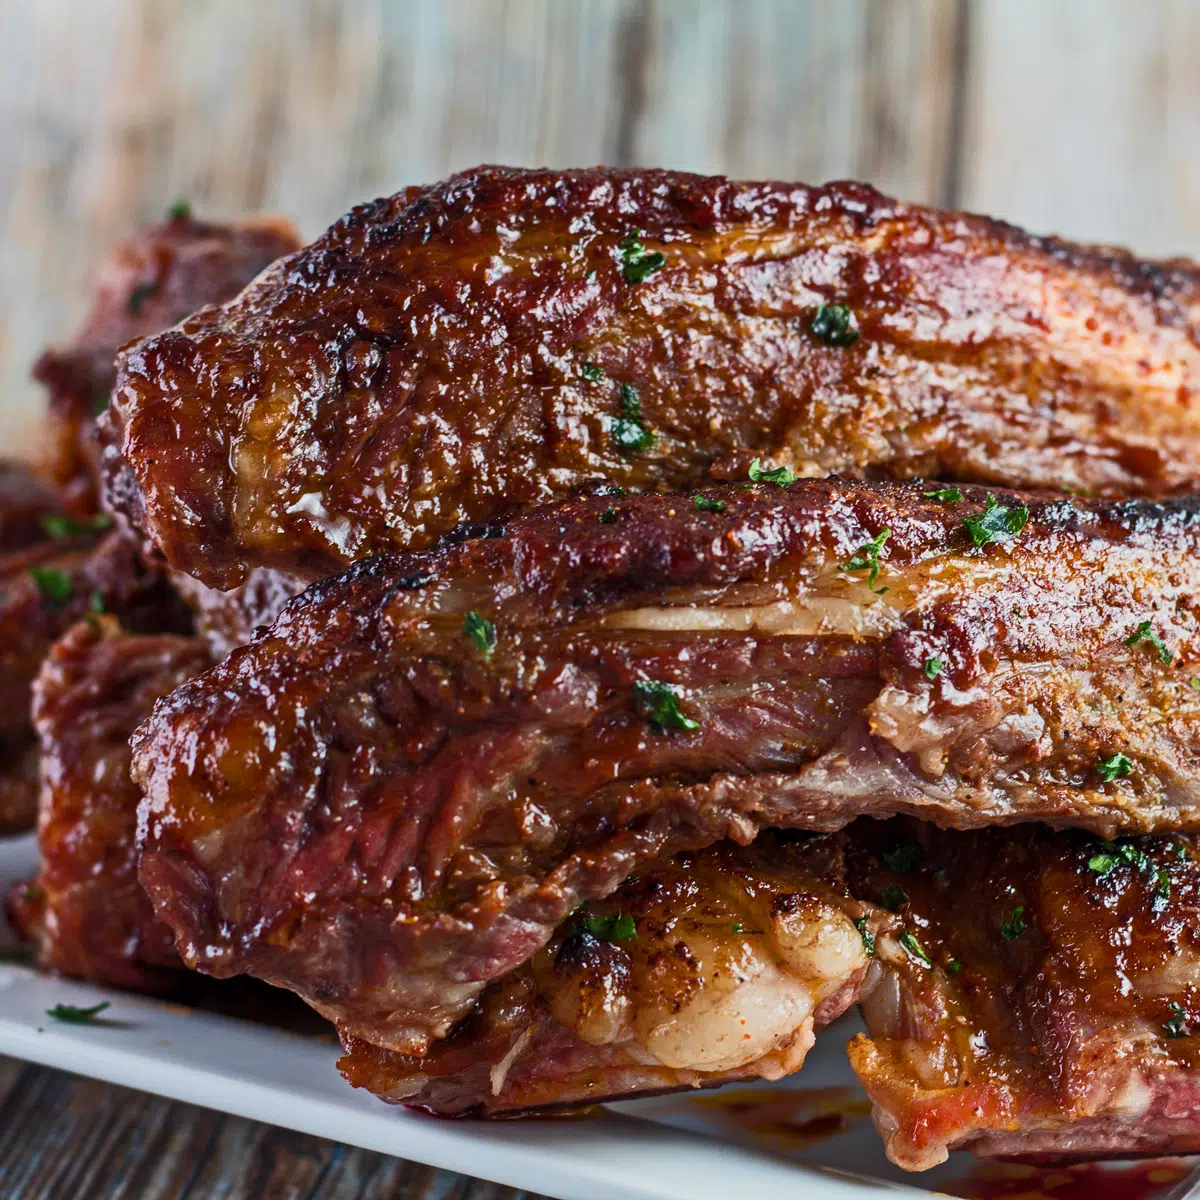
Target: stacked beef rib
pixel 572 787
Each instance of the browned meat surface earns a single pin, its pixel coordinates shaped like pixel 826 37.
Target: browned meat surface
pixel 152 280
pixel 227 620
pixel 448 353
pixel 29 508
pixel 398 791
pixel 709 967
pixel 86 912
pixel 45 589
pixel 1046 1005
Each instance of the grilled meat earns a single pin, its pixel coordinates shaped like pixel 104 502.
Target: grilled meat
pixel 227 620
pixel 86 913
pixel 446 752
pixel 1045 1005
pixel 706 968
pixel 29 508
pixel 45 589
pixel 152 280
pixel 446 354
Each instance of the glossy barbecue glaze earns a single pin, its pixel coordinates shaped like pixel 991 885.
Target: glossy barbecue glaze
pixel 706 968
pixel 151 281
pixel 449 353
pixel 375 806
pixel 1048 1007
pixel 85 912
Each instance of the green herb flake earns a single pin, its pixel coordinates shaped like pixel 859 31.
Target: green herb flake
pixel 608 516
pixel 868 938
pixel 658 703
pixel 945 495
pixel 954 966
pixel 181 210
pixel 833 324
pixel 139 296
pixel 1117 767
pixel 1162 884
pixel 1012 926
pixel 780 476
pixel 1176 1025
pixel 53 586
pixel 619 927
pixel 903 858
pixel 704 504
pixel 96 602
pixel 908 940
pixel 893 897
pixel 482 633
pixel 99 403
pixel 933 667
pixel 638 263
pixel 1145 633
pixel 996 523
pixel 629 432
pixel 60 525
pixel 737 928
pixel 1194 683
pixel 866 558
pixel 72 1015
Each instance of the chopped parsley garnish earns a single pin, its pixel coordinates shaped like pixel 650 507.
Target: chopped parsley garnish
pixel 704 504
pixel 482 633
pixel 1117 767
pixel 619 927
pixel 96 602
pixel 1123 851
pixel 1194 683
pixel 1176 1025
pixel 996 523
pixel 867 556
pixel 945 495
pixel 1145 633
pixel 954 966
pixel 903 858
pixel 780 476
pixel 638 263
pixel 833 324
pixel 53 585
pixel 1012 926
pixel 139 296
pixel 893 897
pixel 933 667
pixel 908 940
pixel 868 938
pixel 100 403
pixel 59 525
pixel 658 703
pixel 629 431
pixel 1162 884
pixel 591 372
pixel 740 928
pixel 608 516
pixel 73 1015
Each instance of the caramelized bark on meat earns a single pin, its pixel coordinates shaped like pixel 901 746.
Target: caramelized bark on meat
pixel 86 912
pixel 706 968
pixel 1046 1004
pixel 152 280
pixel 446 354
pixel 45 589
pixel 445 753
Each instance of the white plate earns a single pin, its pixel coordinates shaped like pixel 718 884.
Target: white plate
pixel 810 1138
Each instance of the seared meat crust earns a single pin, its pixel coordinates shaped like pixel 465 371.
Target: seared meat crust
pixel 399 789
pixel 703 969
pixel 1058 1014
pixel 86 912
pixel 227 620
pixel 445 354
pixel 44 589
pixel 150 282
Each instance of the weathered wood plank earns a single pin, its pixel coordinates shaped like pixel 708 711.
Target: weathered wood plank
pixel 1083 118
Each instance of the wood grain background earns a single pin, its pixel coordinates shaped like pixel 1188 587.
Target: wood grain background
pixel 1073 116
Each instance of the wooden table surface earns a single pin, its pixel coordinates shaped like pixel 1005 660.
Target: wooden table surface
pixel 1078 116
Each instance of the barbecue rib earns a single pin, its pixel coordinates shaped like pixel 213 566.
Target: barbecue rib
pixel 152 280
pixel 449 353
pixel 444 753
pixel 44 589
pixel 710 967
pixel 86 913
pixel 1048 1005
